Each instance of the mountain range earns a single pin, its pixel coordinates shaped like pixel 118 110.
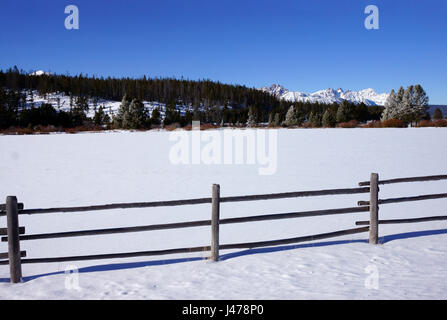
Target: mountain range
pixel 367 96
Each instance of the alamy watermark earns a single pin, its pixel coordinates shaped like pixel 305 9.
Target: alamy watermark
pixel 72 20
pixel 229 147
pixel 71 280
pixel 372 20
pixel 372 279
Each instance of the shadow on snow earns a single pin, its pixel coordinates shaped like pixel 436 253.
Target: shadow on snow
pixel 227 256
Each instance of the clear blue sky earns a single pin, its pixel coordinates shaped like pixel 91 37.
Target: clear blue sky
pixel 303 45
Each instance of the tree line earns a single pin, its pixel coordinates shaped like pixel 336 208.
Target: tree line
pixel 204 100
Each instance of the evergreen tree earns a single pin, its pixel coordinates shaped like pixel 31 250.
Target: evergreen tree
pixel 31 94
pixel 271 119
pixel 328 120
pixel 315 119
pixel 121 118
pixel 437 115
pixel 156 116
pixel 343 112
pixel 171 114
pixel 414 104
pixel 391 106
pixel 420 97
pixel 43 115
pixel 291 117
pixel 81 105
pixel 251 122
pixel 71 102
pixel 101 118
pixel 137 117
pixel 400 95
pixel 277 121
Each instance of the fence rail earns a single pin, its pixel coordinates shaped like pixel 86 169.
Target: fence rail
pixel 171 203
pixel 180 225
pixel 198 249
pixel 410 179
pixel 409 220
pixel 13 234
pixel 407 199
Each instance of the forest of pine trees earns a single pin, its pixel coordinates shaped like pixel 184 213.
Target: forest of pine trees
pixel 210 102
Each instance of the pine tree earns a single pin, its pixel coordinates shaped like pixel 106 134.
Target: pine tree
pixel 437 115
pixel 406 111
pixel 100 118
pixel 400 95
pixel 71 102
pixel 271 119
pixel 95 103
pixel 251 122
pixel 328 120
pixel 343 112
pixel 277 121
pixel 291 117
pixel 420 97
pixel 156 116
pixel 171 114
pixel 32 99
pixel 391 106
pixel 414 104
pixel 121 118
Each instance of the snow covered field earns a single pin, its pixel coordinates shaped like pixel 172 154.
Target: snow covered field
pixel 110 167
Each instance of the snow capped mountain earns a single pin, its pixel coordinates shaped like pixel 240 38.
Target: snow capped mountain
pixel 367 96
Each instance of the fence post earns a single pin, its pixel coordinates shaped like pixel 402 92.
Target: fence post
pixel 374 209
pixel 12 215
pixel 215 212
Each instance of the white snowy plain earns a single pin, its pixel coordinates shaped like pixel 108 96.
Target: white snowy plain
pixel 109 167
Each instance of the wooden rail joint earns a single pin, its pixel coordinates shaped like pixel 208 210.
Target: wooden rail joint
pixel 5 255
pixel 4 232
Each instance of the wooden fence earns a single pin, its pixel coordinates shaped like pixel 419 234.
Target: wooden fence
pixel 13 234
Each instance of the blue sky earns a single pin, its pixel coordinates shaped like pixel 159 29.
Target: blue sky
pixel 303 45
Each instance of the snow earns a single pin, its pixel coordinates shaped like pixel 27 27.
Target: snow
pixel 61 101
pixel 39 73
pixel 109 167
pixel 367 96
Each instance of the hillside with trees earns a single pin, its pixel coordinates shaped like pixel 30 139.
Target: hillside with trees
pixel 181 101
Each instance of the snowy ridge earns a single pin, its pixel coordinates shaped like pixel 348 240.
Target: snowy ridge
pixel 367 96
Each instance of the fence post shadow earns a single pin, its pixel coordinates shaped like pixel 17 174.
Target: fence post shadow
pixel 371 206
pixel 236 254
